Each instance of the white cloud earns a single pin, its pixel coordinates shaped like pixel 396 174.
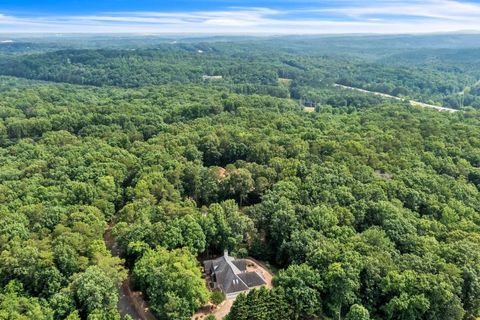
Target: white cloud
pixel 438 9
pixel 413 16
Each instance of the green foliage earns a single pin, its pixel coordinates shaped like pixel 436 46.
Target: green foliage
pixel 368 206
pixel 303 287
pixel 225 226
pixel 63 304
pixel 261 304
pixel 172 282
pixel 357 312
pixel 95 292
pixel 15 305
pixel 217 297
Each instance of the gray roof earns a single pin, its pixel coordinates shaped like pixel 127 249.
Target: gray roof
pixel 252 279
pixel 231 275
pixel 240 264
pixel 231 282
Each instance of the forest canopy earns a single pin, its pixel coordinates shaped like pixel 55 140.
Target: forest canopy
pixel 367 208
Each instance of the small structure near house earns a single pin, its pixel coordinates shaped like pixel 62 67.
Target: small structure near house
pixel 230 275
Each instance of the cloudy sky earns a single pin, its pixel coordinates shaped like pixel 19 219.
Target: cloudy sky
pixel 238 17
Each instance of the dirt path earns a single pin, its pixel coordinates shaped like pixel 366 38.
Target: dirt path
pixel 412 102
pixel 125 304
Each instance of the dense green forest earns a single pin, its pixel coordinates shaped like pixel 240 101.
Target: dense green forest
pixel 367 208
pixel 440 72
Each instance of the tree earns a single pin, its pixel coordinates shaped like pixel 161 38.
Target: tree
pixel 217 297
pixel 261 304
pixel 341 282
pixel 66 259
pixel 183 232
pixel 239 183
pixel 412 295
pixel 357 312
pixel 15 305
pixel 32 267
pixel 171 281
pixel 94 291
pixel 225 226
pixel 63 304
pixel 303 287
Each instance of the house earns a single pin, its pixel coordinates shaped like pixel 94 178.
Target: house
pixel 207 77
pixel 231 276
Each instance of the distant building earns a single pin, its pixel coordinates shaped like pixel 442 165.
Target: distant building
pixel 206 77
pixel 231 276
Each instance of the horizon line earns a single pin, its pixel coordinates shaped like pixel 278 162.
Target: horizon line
pixel 242 34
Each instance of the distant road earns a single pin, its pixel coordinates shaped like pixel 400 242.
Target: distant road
pixel 412 102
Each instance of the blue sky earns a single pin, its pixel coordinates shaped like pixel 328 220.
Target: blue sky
pixel 238 17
